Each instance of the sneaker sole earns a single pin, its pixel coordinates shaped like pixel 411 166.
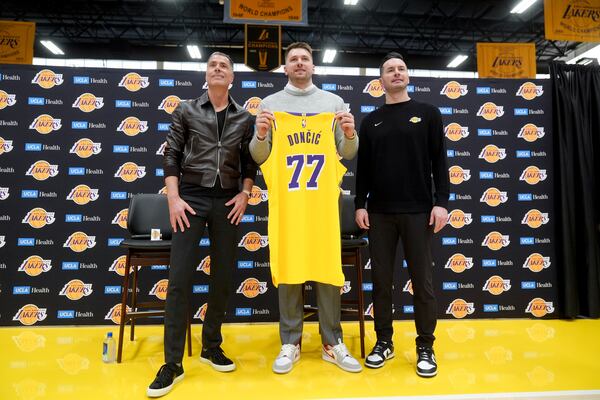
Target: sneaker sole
pixel 285 371
pixel 375 366
pixel 347 369
pixel 427 374
pixel 165 390
pixel 220 368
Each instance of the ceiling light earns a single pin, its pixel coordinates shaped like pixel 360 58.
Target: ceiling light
pixel 329 55
pixel 350 2
pixel 522 6
pixel 52 47
pixel 594 52
pixel 194 51
pixel 457 61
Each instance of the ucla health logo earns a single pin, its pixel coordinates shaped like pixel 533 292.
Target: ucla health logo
pixel 374 88
pixel 533 175
pixel 42 170
pixel 47 79
pixel 458 219
pixel 131 126
pixel 252 104
pixel 455 132
pixel 83 194
pixel 169 104
pixel 45 124
pixel 86 148
pixel 454 90
pixel 493 197
pixel 490 111
pixel 530 91
pixel 38 218
pixel 492 153
pixel 459 175
pixel 87 102
pixel 535 218
pixel 80 241
pixel 6 146
pixel 75 289
pixel 531 132
pixel 134 82
pixel 7 99
pixel 130 172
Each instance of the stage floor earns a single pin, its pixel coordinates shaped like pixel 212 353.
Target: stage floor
pixel 478 359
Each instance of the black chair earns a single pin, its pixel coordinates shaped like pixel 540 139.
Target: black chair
pixel 146 212
pixel 352 243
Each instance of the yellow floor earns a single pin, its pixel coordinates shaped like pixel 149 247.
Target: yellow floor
pixel 558 359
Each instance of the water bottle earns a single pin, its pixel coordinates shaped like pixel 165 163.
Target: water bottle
pixel 108 349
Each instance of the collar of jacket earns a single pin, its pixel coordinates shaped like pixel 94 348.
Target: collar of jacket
pixel 204 100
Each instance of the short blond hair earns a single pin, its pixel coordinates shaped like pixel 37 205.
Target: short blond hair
pixel 298 45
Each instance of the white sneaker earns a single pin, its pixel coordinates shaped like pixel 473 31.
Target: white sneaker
pixel 340 356
pixel 288 356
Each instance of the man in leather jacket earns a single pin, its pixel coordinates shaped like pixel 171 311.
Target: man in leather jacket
pixel 205 159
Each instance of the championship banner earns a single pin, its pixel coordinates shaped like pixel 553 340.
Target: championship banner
pixel 506 60
pixel 283 12
pixel 576 20
pixel 262 47
pixel 16 42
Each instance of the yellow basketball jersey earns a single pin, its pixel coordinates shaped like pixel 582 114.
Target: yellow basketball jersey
pixel 303 176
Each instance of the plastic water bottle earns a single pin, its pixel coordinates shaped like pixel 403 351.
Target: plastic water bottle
pixel 108 349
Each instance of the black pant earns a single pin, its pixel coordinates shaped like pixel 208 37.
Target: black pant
pixel 415 233
pixel 185 257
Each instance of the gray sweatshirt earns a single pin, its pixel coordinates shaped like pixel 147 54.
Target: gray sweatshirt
pixel 309 100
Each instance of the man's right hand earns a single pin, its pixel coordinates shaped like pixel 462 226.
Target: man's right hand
pixel 361 216
pixel 177 209
pixel 263 123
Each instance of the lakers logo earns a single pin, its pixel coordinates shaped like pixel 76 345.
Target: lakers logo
pixel 257 196
pixel 7 100
pixel 490 111
pixel 28 341
pixel 87 102
pixel 530 91
pixel 134 82
pixel 121 218
pixel 374 88
pixel 4 193
pixel 459 263
pixel 38 218
pixel 131 126
pixel 453 90
pixel 496 285
pixel 533 175
pixel 161 149
pixel 75 289
pixel 169 104
pixel 82 194
pixel 408 287
pixel 118 266
pixel 535 218
pixel 130 171
pixel 163 190
pixel 29 314
pixel 370 311
pixel 346 288
pixel 495 241
pixel 114 314
pixel 458 175
pixel 492 153
pixel 160 289
pixel 6 146
pixel 458 218
pixel 251 105
pixel 42 170
pixel 531 133
pixel 252 287
pixel 539 307
pixel 45 124
pixel 455 132
pixel 73 363
pixel 539 332
pixel 536 262
pixel 35 265
pixel 252 241
pixel 201 313
pixel 204 265
pixel 460 308
pixel 85 148
pixel 79 241
pixel 47 79
pixel 493 197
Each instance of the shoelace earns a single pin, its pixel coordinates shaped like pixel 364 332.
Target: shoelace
pixel 165 375
pixel 380 347
pixel 425 353
pixel 340 350
pixel 288 351
pixel 219 356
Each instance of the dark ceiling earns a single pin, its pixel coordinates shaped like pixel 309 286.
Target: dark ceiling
pixel 428 33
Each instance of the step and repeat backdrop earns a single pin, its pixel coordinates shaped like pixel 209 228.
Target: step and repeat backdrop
pixel 76 144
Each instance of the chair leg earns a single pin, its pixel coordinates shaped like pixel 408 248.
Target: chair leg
pixel 124 288
pixel 134 300
pixel 361 301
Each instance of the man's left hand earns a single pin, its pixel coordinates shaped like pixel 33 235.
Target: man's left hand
pixel 438 218
pixel 346 121
pixel 240 201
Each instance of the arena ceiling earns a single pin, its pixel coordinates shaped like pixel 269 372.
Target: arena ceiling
pixel 429 33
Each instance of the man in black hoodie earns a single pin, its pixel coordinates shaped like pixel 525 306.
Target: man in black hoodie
pixel 402 147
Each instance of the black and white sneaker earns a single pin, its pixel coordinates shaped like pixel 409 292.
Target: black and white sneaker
pixel 381 352
pixel 168 375
pixel 217 359
pixel 426 364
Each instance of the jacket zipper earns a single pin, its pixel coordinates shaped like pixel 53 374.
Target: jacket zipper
pixel 219 143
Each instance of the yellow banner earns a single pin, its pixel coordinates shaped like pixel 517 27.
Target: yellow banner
pixel 575 20
pixel 16 42
pixel 506 60
pixel 284 12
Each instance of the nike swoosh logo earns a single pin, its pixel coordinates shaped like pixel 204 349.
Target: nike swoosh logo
pixel 379 123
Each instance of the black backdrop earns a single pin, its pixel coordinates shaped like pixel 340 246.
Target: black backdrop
pixel 69 162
